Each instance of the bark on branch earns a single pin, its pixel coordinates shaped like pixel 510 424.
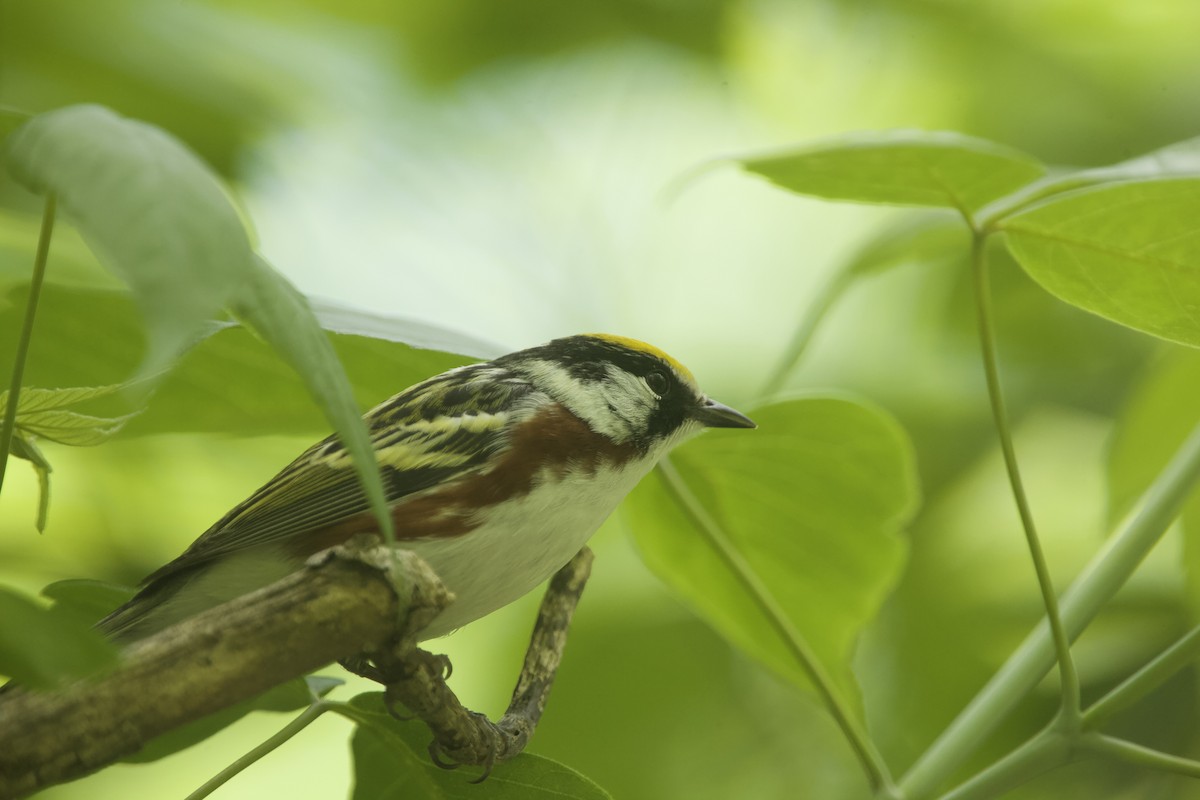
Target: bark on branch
pixel 348 601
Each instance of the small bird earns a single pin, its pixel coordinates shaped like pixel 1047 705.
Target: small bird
pixel 495 473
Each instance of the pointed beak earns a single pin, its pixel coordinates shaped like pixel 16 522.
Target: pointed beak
pixel 712 414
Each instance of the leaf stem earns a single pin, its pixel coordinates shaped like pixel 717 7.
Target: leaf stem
pixel 294 727
pixel 1145 680
pixel 817 310
pixel 8 427
pixel 1096 584
pixel 1069 712
pixel 1037 756
pixel 872 762
pixel 1129 752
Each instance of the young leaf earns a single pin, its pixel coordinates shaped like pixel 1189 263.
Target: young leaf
pixel 391 763
pixel 903 167
pixel 42 413
pixel 23 447
pixel 1126 251
pixel 34 398
pixel 151 210
pixel 814 501
pixel 45 648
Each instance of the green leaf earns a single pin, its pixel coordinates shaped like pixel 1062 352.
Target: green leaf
pixel 1178 160
pixel 1127 252
pixel 279 313
pixel 34 398
pixel 286 697
pixel 231 382
pixel 154 214
pixel 42 413
pixel 930 236
pixel 47 648
pixel 87 601
pixel 69 427
pixel 814 500
pixel 72 262
pixel 391 762
pixel 23 447
pixel 903 167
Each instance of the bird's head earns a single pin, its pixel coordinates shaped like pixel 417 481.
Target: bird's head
pixel 624 389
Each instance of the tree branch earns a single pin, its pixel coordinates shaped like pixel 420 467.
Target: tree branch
pixel 350 600
pixel 416 680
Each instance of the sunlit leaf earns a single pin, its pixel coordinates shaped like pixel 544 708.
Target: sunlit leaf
pixel 43 413
pixel 1126 251
pixel 69 427
pixel 35 398
pixel 903 167
pixel 151 210
pixel 391 763
pixel 814 500
pixel 45 648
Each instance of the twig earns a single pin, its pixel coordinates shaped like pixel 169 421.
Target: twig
pixel 8 426
pixel 416 679
pixel 344 602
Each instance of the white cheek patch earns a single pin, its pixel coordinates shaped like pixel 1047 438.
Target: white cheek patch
pixel 630 398
pixel 615 407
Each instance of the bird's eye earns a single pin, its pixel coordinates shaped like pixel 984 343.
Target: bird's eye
pixel 658 383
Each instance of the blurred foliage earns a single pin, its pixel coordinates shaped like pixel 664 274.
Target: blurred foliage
pixel 456 107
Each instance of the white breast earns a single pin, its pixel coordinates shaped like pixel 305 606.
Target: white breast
pixel 524 541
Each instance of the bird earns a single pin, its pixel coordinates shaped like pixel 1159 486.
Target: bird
pixel 496 473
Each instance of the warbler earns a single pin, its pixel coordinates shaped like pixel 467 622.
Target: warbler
pixel 496 474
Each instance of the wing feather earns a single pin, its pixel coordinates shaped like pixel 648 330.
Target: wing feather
pixel 430 434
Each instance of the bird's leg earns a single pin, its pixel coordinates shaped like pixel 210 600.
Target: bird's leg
pixel 416 679
pixel 424 597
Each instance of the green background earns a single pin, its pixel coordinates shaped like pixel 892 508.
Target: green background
pixel 523 170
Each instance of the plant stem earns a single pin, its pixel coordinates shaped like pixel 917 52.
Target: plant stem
pixel 1141 756
pixel 825 299
pixel 1096 584
pixel 301 722
pixel 987 337
pixel 872 762
pixel 8 427
pixel 1145 680
pixel 1038 755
